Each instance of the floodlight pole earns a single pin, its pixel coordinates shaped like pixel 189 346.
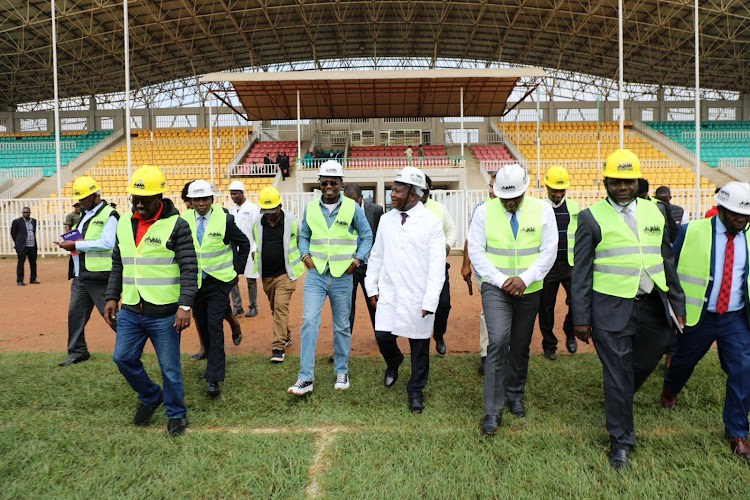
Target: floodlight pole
pixel 697 115
pixel 463 137
pixel 620 90
pixel 211 136
pixel 126 42
pixel 538 139
pixel 58 162
pixel 299 132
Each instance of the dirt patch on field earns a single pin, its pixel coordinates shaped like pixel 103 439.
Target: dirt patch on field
pixel 35 318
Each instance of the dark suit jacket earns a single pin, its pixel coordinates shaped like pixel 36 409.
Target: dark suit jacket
pixel 677 248
pixel 18 232
pixel 608 312
pixel 373 212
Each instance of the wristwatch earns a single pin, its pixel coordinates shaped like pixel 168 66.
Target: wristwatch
pixel 185 308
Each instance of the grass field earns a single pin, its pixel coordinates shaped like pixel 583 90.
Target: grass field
pixel 66 433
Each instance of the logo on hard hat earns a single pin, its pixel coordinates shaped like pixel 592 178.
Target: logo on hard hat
pixel 624 166
pixel 508 188
pixel 724 195
pixel 415 177
pixel 745 203
pixel 267 201
pixel 139 184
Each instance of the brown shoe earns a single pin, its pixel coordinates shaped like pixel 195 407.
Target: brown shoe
pixel 668 399
pixel 740 447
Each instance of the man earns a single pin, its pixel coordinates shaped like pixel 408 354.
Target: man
pixel 334 239
pixel 512 244
pixel 466 271
pixel 408 152
pixel 90 264
pixel 72 218
pixel 449 228
pixel 404 279
pixel 155 269
pixel 566 215
pixel 214 234
pixel 373 213
pixel 666 210
pixel 245 214
pixel 23 232
pixel 625 282
pixel 712 264
pixel 278 263
pixel 664 194
pixel 267 159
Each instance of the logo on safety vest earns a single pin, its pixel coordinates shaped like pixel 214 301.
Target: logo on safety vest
pixel 652 229
pixel 153 240
pixel 342 223
pixel 215 234
pixel 97 222
pixel 530 229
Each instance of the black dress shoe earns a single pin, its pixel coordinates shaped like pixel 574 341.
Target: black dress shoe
pixel 72 359
pixel 237 336
pixel 572 345
pixel 440 346
pixel 197 356
pixel 415 404
pixel 144 412
pixel 618 457
pixel 490 423
pixel 253 311
pixel 20 283
pixel 34 282
pixel 238 312
pixel 390 377
pixel 550 355
pixel 176 426
pixel 517 408
pixel 213 389
pixel 480 370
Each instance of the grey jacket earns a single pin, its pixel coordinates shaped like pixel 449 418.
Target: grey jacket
pixel 290 243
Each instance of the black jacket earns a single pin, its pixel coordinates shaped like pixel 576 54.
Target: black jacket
pixel 18 232
pixel 181 243
pixel 85 276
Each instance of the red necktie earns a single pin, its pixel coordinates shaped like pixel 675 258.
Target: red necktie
pixel 404 215
pixel 722 303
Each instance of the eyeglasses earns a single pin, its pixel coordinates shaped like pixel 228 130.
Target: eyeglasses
pixel 145 200
pixel 329 183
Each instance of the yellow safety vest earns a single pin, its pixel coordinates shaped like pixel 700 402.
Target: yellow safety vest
pixel 334 246
pixel 214 256
pixel 512 256
pixel 96 260
pixel 694 267
pixel 149 271
pixel 620 256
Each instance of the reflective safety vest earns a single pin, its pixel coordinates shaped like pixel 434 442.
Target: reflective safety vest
pixel 149 271
pixel 96 260
pixel 434 207
pixel 620 256
pixel 694 267
pixel 573 211
pixel 294 265
pixel 512 256
pixel 334 246
pixel 214 256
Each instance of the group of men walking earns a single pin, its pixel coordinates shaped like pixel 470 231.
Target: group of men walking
pixel 629 289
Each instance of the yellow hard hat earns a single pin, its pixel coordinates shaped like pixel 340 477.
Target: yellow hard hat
pixel 147 181
pixel 622 164
pixel 84 186
pixel 556 177
pixel 268 198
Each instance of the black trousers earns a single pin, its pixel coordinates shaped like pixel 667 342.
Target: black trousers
pixel 358 278
pixel 420 360
pixel 560 274
pixel 29 252
pixel 443 308
pixel 211 305
pixel 628 357
pixel 83 298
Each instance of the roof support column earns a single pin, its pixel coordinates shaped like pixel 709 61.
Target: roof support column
pixel 211 136
pixel 126 38
pixel 58 163
pixel 620 89
pixel 299 139
pixel 463 136
pixel 697 110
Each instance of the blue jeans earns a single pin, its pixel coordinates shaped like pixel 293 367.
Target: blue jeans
pixel 732 335
pixel 339 292
pixel 132 332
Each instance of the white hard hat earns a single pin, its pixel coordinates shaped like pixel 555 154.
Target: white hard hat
pixel 331 168
pixel 199 189
pixel 511 182
pixel 413 176
pixel 236 186
pixel 734 196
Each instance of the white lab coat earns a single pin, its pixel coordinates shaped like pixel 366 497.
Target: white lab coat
pixel 245 216
pixel 406 269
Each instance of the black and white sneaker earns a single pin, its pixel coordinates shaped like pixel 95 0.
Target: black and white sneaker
pixel 277 356
pixel 342 382
pixel 301 387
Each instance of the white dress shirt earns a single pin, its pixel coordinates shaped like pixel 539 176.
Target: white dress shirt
pixel 245 216
pixel 407 270
pixel 477 246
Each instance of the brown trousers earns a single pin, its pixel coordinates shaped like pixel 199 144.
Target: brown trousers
pixel 279 291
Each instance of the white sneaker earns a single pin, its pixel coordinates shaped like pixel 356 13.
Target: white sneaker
pixel 300 387
pixel 342 382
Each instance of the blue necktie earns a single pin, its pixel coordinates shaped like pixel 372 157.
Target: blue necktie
pixel 201 229
pixel 514 224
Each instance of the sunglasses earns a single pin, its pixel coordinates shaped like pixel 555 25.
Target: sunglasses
pixel 329 183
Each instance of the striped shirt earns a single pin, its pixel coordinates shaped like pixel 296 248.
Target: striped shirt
pixel 30 240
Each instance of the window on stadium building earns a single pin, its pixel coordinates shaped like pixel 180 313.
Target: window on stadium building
pixel 647 114
pixel 33 124
pixel 107 123
pixel 680 114
pixel 577 115
pixel 77 123
pixel 176 121
pixel 722 113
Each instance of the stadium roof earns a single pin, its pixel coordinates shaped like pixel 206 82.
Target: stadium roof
pixel 364 94
pixel 173 39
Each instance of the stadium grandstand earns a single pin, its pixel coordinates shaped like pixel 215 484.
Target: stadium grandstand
pixel 206 105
